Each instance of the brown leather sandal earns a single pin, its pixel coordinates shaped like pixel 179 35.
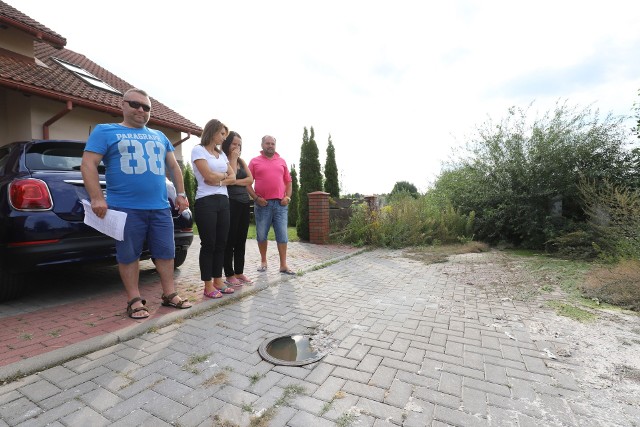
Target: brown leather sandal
pixel 131 310
pixel 166 301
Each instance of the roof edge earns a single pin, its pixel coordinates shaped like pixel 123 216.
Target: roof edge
pixel 92 105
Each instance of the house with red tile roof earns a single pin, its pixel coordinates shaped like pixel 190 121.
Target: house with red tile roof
pixel 49 92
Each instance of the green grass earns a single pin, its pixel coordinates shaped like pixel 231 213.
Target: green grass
pixel 291 231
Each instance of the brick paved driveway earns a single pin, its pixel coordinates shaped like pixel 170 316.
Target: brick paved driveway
pixel 410 344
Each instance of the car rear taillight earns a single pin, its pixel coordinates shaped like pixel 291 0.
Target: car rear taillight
pixel 30 195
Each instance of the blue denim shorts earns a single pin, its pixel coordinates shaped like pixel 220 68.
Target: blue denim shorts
pixel 155 226
pixel 273 214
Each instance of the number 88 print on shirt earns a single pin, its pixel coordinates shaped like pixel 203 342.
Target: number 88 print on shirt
pixel 135 163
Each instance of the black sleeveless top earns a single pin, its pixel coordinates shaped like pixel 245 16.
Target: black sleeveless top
pixel 239 193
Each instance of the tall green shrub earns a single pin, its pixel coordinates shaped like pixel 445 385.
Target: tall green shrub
pixel 310 180
pixel 331 184
pixel 293 203
pixel 513 172
pixel 614 216
pixel 190 183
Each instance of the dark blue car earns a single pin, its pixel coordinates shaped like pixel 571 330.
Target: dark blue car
pixel 42 218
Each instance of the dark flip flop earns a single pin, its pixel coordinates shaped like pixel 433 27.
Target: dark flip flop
pixel 288 271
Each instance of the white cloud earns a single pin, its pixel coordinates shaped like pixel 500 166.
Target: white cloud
pixel 396 84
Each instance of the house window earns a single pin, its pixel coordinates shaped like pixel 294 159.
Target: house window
pixel 87 76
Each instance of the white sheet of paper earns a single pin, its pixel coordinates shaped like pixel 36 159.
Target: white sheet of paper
pixel 112 224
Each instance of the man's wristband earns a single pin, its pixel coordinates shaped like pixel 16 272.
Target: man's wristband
pixel 183 195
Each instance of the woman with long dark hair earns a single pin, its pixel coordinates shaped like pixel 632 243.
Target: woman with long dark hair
pixel 239 209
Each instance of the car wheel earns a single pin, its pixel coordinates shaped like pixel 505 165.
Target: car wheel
pixel 181 256
pixel 11 283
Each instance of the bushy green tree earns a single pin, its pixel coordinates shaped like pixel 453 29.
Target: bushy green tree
pixel 293 203
pixel 331 184
pixel 404 187
pixel 515 171
pixel 310 180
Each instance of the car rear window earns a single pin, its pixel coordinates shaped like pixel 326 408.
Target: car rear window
pixel 61 156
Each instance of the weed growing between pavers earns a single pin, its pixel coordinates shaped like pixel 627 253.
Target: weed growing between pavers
pixel 325 408
pixel 217 422
pixel 128 378
pixel 346 419
pixel 194 360
pixel 220 378
pixel 262 420
pixel 255 378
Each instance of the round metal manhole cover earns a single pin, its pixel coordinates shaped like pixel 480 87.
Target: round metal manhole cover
pixel 290 350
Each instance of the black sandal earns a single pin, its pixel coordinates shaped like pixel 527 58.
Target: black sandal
pixel 131 310
pixel 166 301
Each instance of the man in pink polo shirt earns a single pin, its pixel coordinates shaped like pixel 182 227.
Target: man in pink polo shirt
pixel 271 194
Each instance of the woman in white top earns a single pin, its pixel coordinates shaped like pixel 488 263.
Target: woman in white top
pixel 211 211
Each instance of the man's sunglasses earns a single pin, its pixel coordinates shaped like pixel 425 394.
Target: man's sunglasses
pixel 135 105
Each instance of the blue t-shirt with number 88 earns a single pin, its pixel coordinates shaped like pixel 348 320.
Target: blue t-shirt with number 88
pixel 135 162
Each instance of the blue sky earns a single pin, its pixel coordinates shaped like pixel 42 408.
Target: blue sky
pixel 397 85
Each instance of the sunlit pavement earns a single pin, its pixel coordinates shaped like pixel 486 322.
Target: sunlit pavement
pixel 409 344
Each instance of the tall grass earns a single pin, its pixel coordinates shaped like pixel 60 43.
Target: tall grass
pixel 407 221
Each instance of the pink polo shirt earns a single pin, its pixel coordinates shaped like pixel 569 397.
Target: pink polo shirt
pixel 270 176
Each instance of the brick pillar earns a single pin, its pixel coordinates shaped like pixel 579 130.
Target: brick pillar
pixel 319 217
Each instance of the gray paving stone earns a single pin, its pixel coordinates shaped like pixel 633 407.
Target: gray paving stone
pixel 39 390
pixel 383 377
pixel 452 417
pixel 398 394
pixel 51 416
pixel 134 387
pixel 368 391
pixel 327 391
pixel 352 374
pixel 369 363
pixel 400 365
pixel 495 374
pixel 400 345
pixel 320 373
pixel 520 406
pixel 380 410
pixel 437 398
pixel 450 384
pixel 166 409
pixel 130 404
pixel 474 402
pixel 305 419
pixel 502 417
pixel 419 414
pixel 100 399
pixel 85 417
pixel 265 383
pixel 67 395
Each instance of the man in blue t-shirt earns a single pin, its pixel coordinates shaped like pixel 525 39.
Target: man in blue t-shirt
pixel 135 158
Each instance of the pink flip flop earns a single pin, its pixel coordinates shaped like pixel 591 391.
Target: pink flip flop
pixel 213 294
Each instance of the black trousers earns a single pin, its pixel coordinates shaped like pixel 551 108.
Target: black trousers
pixel 237 240
pixel 211 214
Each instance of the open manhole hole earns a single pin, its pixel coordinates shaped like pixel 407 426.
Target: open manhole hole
pixel 290 350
